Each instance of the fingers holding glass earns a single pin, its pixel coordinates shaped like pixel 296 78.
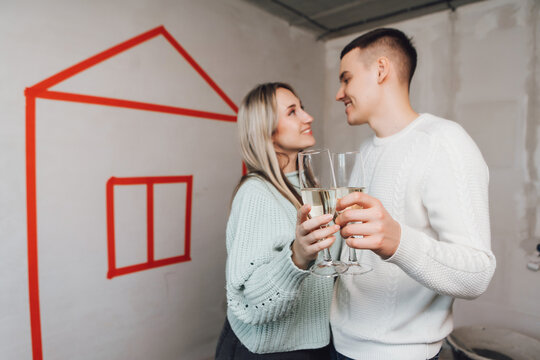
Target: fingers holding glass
pixel 350 179
pixel 318 189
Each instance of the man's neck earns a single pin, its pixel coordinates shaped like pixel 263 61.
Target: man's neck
pixel 393 117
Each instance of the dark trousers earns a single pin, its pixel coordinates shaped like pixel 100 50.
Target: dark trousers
pixel 229 347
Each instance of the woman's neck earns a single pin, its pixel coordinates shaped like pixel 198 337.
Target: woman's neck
pixel 287 162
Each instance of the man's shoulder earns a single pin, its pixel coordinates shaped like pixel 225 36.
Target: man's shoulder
pixel 433 124
pixel 448 135
pixel 443 130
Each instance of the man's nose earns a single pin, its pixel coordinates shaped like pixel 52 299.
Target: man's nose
pixel 340 94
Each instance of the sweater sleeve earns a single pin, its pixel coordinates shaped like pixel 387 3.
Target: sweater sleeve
pixel 263 283
pixel 457 259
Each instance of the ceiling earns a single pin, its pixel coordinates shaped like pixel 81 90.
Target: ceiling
pixel 332 18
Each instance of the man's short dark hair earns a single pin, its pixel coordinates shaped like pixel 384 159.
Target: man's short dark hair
pixel 394 40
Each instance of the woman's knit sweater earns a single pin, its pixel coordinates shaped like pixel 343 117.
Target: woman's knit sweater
pixel 273 306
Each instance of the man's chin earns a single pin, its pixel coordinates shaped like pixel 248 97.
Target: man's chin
pixel 355 121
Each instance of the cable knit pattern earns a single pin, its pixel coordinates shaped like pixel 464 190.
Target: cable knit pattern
pixel 272 305
pixel 433 180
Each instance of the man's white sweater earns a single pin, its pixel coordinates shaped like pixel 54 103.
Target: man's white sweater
pixel 432 179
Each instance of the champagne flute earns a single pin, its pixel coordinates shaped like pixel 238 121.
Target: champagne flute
pixel 349 167
pixel 318 188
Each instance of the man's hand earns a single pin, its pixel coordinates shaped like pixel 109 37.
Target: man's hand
pixel 381 233
pixel 309 237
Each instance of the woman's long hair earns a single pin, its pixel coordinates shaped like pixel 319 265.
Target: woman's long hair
pixel 257 122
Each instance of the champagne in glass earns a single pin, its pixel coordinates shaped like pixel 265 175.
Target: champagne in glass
pixel 349 169
pixel 346 190
pixel 318 188
pixel 322 201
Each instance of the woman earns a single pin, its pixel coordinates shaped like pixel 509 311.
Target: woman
pixel 275 310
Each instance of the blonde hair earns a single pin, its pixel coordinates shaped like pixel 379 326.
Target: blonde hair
pixel 257 122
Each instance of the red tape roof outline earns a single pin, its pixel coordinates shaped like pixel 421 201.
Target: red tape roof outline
pixel 41 90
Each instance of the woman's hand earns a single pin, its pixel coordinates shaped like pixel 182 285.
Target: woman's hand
pixel 309 235
pixel 380 232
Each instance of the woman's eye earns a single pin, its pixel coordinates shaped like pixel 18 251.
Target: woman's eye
pixel 292 112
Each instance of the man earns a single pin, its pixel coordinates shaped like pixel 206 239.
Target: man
pixel 425 223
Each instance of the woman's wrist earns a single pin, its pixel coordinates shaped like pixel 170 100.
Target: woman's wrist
pixel 296 259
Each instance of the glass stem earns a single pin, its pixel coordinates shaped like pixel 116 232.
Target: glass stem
pixel 326 252
pixel 326 255
pixel 352 251
pixel 352 255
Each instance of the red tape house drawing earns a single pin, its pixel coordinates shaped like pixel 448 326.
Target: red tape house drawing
pixel 148 184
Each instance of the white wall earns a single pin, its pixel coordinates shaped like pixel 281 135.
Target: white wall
pixel 170 312
pixel 480 66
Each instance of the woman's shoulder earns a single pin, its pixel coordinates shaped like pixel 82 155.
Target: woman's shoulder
pixel 253 188
pixel 257 197
pixel 254 183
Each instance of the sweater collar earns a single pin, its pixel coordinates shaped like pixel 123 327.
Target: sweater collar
pixel 293 179
pixel 380 141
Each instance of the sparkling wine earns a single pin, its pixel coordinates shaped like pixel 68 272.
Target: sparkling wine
pixel 346 190
pixel 322 201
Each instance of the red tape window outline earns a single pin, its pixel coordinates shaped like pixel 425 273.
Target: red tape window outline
pixel 151 262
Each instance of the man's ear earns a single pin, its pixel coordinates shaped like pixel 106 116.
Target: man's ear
pixel 383 68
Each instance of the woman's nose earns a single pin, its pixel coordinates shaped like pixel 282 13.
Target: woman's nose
pixel 308 118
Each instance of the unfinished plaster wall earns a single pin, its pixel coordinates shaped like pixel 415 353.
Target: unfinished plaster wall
pixel 175 311
pixel 480 67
